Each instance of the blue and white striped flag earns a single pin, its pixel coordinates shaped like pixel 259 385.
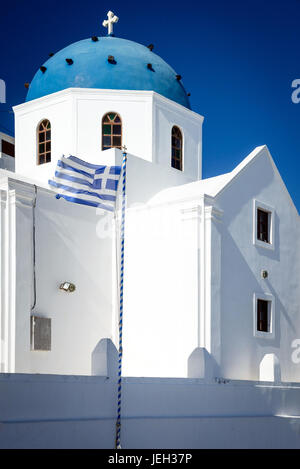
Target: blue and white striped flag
pixel 85 183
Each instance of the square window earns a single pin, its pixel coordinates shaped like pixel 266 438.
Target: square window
pixel 8 148
pixel 263 225
pixel 263 315
pixel 263 320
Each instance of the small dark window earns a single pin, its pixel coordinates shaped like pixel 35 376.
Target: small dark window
pixel 111 131
pixel 8 148
pixel 263 225
pixel 44 142
pixel 263 320
pixel 176 148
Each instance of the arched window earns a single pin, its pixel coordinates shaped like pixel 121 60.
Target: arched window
pixel 111 131
pixel 176 148
pixel 44 142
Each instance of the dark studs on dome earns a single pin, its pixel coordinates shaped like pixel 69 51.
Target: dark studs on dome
pixel 111 59
pixel 26 85
pixel 94 38
pixel 51 54
pixel 178 77
pixel 69 61
pixel 151 46
pixel 43 69
pixel 149 66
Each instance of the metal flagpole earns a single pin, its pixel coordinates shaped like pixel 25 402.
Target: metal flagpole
pixel 122 234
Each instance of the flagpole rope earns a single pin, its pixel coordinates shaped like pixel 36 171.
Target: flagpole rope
pixel 122 234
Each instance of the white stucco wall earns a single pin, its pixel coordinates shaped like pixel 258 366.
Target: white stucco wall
pixel 205 280
pixel 66 250
pixel 242 263
pixel 172 284
pixel 59 111
pixel 191 269
pixel 76 115
pixel 166 114
pixel 70 246
pixel 161 291
pixel 7 162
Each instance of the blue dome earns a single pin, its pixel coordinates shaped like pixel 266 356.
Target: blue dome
pixel 91 69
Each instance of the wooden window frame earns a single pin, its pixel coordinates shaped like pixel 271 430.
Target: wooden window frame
pixel 43 156
pixel 177 161
pixel 112 134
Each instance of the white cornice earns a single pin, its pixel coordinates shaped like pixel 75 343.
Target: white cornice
pixel 195 210
pixel 24 189
pixel 57 97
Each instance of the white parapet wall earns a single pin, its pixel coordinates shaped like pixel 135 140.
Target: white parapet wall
pixel 48 411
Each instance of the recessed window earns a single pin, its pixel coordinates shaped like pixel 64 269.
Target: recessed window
pixel 263 225
pixel 176 148
pixel 263 315
pixel 8 148
pixel 44 142
pixel 111 131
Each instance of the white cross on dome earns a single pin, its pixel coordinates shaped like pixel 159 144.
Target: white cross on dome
pixel 112 18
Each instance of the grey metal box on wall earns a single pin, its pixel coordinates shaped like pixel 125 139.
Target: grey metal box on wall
pixel 40 333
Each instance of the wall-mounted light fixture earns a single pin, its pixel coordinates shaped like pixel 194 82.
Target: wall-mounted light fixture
pixel 67 287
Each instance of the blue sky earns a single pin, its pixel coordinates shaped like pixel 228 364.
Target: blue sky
pixel 237 59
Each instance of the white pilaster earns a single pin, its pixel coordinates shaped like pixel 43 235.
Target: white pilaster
pixel 11 195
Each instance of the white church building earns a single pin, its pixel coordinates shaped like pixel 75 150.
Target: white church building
pixel 211 331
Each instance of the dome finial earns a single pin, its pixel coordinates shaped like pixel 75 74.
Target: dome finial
pixel 112 18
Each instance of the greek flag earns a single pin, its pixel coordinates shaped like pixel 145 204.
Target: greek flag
pixel 85 183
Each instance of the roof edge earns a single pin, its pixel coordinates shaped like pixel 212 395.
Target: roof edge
pixel 257 152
